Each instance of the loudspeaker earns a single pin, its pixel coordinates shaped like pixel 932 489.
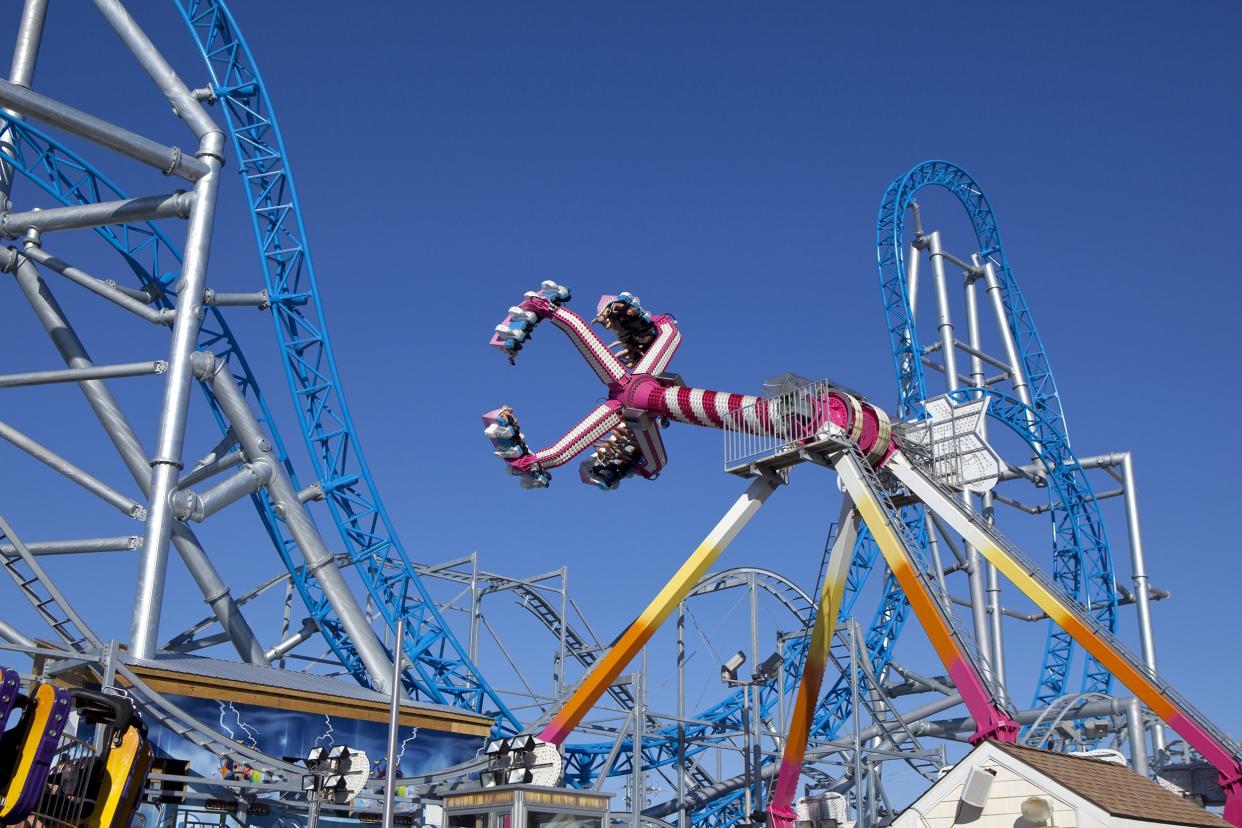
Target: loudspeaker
pixel 978 786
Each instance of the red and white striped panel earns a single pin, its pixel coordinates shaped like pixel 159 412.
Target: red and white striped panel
pixel 658 356
pixel 595 425
pixel 606 366
pixel 651 445
pixel 709 408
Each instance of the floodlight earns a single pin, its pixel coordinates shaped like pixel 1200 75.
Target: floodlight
pixel 523 742
pixel 769 669
pixel 497 746
pixel 489 779
pixel 518 776
pixel 728 670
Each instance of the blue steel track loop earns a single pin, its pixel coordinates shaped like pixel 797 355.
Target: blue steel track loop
pixel 444 673
pixel 1081 561
pixel 441 671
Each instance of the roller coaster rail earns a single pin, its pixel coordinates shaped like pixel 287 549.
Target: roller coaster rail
pixel 443 668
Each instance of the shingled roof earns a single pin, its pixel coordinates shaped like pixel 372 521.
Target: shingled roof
pixel 1115 788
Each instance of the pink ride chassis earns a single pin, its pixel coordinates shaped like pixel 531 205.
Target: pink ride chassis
pixel 642 397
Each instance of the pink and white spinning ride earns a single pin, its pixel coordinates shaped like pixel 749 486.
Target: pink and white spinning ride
pixel 643 397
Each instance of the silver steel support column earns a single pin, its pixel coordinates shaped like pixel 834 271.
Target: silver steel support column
pixel 394 721
pixel 755 733
pixel 993 586
pixel 185 105
pixel 637 776
pixel 319 560
pixel 121 433
pixel 21 73
pixel 978 600
pixel 168 160
pixel 560 672
pixel 1142 605
pixel 1134 731
pixel 913 255
pixel 14 636
pixel 127 506
pixel 166 464
pixel 99 214
pixel 308 630
pixel 681 714
pixel 1016 368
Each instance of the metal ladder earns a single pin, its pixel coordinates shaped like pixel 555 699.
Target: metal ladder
pixel 43 595
pixel 877 702
pixel 965 641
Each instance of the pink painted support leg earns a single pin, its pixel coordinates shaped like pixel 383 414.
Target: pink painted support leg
pixel 661 352
pixel 606 366
pixel 595 425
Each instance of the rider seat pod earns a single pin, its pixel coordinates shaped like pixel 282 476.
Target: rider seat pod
pixel 26 751
pixel 10 689
pixel 126 768
pixel 75 786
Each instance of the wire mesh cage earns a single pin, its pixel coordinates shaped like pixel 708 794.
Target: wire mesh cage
pixel 72 784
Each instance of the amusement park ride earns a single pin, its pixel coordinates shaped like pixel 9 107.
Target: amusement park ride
pixel 911 484
pixel 935 460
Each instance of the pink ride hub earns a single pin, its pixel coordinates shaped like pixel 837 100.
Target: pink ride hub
pixel 642 397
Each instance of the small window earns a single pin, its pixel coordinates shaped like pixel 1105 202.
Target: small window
pixel 467 821
pixel 544 819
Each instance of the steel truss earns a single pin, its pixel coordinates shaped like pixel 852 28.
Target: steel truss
pixel 443 668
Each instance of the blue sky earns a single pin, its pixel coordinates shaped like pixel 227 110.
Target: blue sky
pixel 724 162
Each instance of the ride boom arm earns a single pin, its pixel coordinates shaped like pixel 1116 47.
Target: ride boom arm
pixel 1157 694
pixel 605 671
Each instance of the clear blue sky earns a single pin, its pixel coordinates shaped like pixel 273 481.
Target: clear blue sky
pixel 725 162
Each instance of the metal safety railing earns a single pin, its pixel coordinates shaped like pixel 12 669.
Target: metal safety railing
pixel 777 426
pixel 72 785
pixel 948 445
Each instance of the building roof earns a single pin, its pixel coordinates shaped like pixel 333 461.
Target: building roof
pixel 201 677
pixel 1114 788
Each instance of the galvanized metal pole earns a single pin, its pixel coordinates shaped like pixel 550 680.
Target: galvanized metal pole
pixel 636 756
pixel 166 464
pixel 856 714
pixel 756 717
pixel 214 590
pixel 681 713
pixel 21 73
pixel 560 672
pixel 473 648
pixel 1134 732
pixel 993 585
pixel 15 636
pixel 978 601
pixel 285 502
pixel 1142 602
pixel 394 720
pixel 1016 368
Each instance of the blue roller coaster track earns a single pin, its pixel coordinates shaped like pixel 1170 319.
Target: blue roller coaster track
pixel 1081 560
pixel 442 671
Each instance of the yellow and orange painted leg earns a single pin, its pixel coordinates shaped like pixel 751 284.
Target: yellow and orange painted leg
pixel 1070 617
pixel 839 558
pixel 606 670
pixel 991 719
